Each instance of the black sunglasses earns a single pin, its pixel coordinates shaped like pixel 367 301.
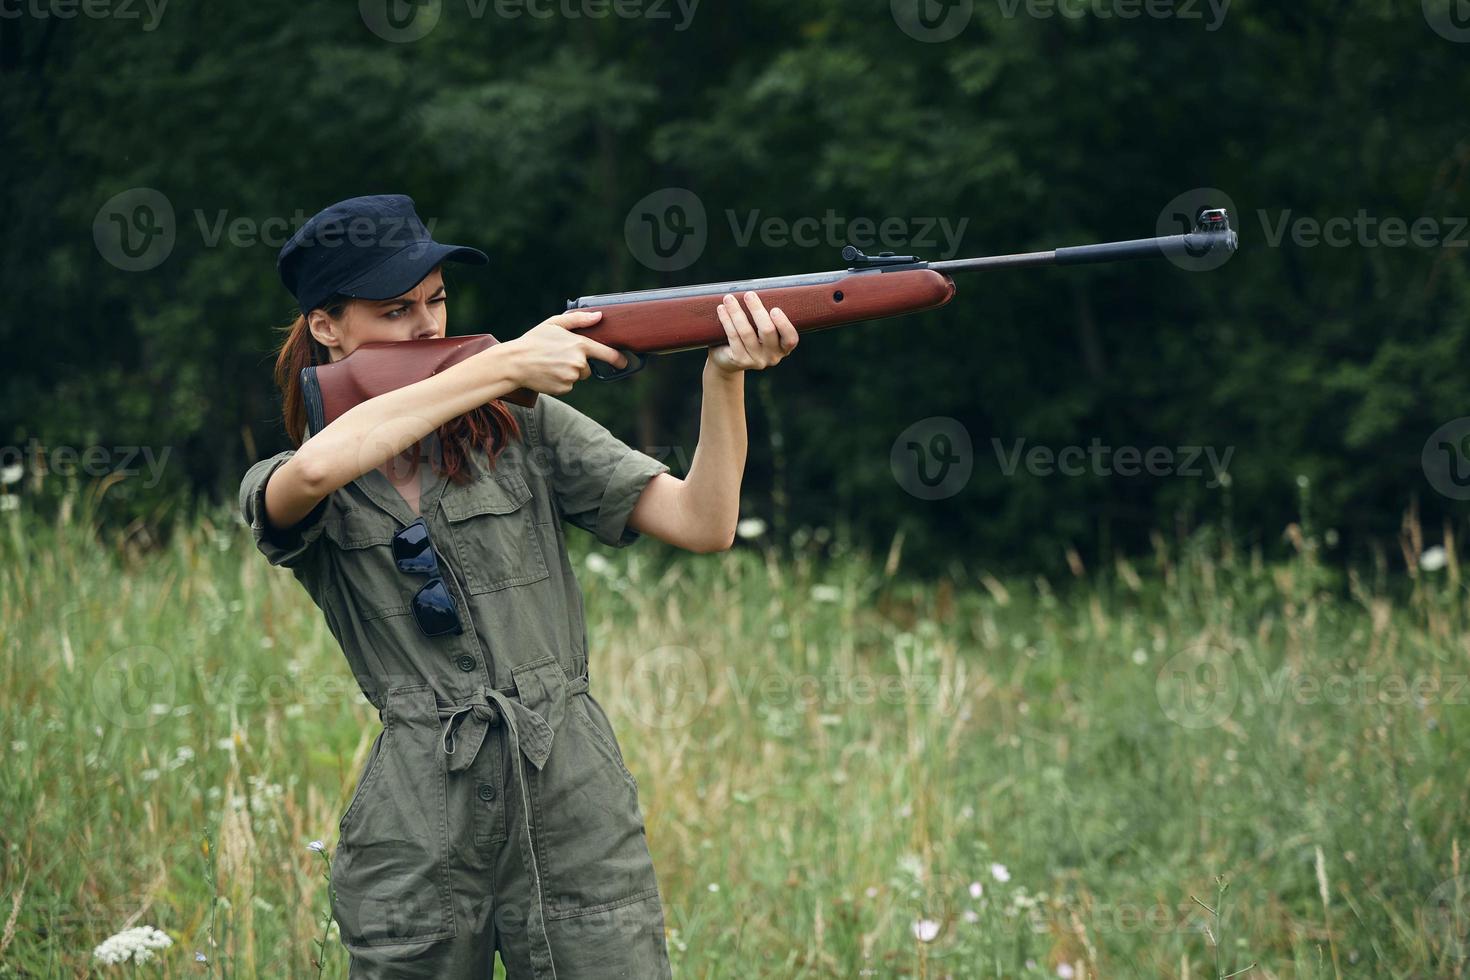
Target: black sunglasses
pixel 433 607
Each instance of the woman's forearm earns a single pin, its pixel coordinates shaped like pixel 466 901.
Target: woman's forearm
pixel 711 491
pixel 374 431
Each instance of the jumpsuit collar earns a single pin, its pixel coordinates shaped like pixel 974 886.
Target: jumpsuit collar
pixel 386 496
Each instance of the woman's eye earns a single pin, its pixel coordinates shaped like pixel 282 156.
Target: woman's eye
pixel 395 314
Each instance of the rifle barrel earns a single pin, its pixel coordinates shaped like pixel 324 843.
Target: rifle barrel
pixel 1194 245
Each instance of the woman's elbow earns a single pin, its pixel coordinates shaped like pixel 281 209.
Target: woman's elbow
pixel 709 544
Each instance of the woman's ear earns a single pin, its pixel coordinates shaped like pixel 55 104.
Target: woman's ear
pixel 327 331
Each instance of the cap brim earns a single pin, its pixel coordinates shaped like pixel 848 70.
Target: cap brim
pixel 407 267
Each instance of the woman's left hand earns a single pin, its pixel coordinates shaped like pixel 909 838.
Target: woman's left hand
pixel 752 347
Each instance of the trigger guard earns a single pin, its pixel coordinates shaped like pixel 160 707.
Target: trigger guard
pixel 603 371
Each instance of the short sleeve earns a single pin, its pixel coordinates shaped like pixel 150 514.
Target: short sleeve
pixel 287 547
pixel 596 477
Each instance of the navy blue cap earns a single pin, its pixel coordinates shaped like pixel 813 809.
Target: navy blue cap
pixel 364 247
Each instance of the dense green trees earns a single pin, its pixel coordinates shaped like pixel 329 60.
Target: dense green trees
pixel 1330 359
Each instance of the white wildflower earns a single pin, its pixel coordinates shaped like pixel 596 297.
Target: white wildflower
pixel 826 593
pixel 1065 971
pixel 976 889
pixel 17 746
pixel 750 527
pixel 912 864
pixel 598 564
pixel 1433 559
pixel 970 916
pixel 148 775
pixel 9 502
pixel 136 944
pixel 1000 873
pixel 317 845
pixel 1140 656
pixel 713 886
pixel 12 473
pixel 926 930
pixel 871 891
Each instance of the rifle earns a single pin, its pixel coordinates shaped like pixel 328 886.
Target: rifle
pixel 659 321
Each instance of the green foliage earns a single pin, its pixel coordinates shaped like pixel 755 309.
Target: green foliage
pixel 533 137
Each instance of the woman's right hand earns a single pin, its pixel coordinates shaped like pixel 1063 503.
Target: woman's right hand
pixel 552 356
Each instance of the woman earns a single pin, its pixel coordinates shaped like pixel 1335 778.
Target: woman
pixel 495 811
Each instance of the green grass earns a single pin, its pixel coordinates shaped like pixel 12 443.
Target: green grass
pixel 828 755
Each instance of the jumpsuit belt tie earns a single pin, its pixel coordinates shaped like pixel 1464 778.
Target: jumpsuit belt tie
pixel 530 736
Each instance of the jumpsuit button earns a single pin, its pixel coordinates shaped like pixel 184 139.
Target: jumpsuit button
pixel 487 792
pixel 465 662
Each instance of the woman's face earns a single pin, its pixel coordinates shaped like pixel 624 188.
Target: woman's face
pixel 420 313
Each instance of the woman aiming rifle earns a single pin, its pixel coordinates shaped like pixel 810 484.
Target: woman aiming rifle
pixel 495 812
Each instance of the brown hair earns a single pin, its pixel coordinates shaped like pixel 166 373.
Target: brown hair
pixel 488 427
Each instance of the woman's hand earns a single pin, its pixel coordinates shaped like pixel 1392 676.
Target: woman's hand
pixel 551 356
pixel 747 347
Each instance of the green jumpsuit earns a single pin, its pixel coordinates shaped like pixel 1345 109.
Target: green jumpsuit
pixel 495 811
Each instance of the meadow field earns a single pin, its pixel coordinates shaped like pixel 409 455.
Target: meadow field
pixel 1199 764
